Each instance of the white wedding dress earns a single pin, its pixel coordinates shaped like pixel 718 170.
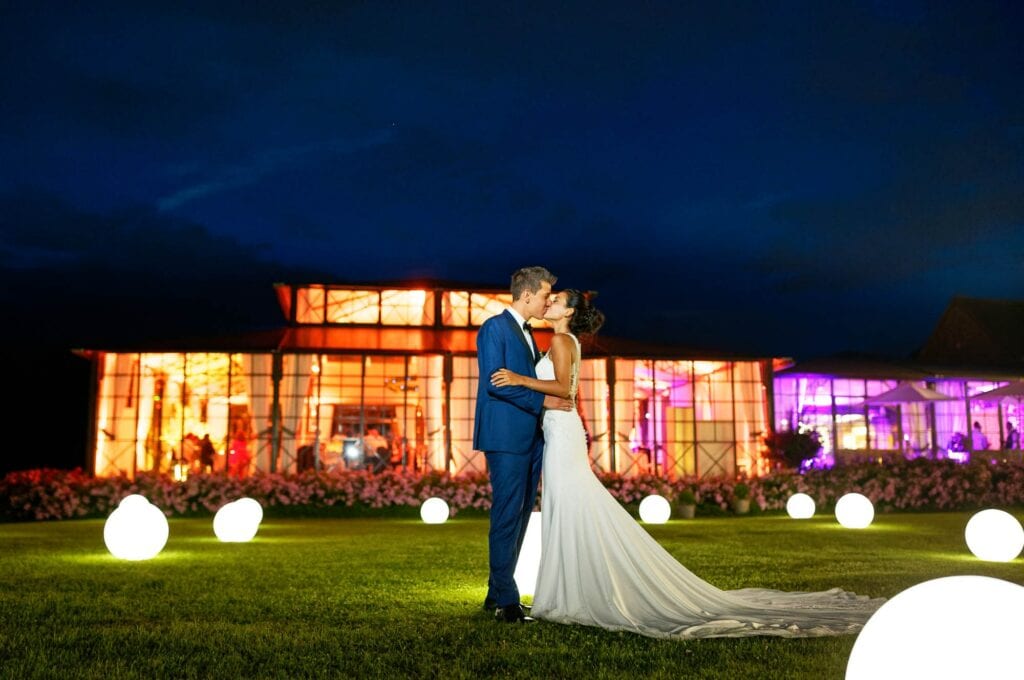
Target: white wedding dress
pixel 599 567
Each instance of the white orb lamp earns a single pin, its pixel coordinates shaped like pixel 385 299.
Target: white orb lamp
pixel 655 509
pixel 994 536
pixel 136 531
pixel 926 632
pixel 133 500
pixel 251 508
pixel 855 511
pixel 234 523
pixel 529 557
pixel 800 506
pixel 434 511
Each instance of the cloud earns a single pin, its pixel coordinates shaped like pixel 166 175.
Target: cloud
pixel 263 164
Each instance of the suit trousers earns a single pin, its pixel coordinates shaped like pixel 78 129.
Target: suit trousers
pixel 514 480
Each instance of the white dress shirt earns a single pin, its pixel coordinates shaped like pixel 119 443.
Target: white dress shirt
pixel 520 320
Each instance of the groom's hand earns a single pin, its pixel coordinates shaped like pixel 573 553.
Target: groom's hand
pixel 558 403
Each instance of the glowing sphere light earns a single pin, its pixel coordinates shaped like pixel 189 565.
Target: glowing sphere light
pixel 434 511
pixel 855 511
pixel 994 535
pixel 800 506
pixel 654 509
pixel 133 500
pixel 952 627
pixel 235 523
pixel 136 531
pixel 529 557
pixel 251 508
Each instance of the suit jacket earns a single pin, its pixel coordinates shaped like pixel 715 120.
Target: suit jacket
pixel 507 418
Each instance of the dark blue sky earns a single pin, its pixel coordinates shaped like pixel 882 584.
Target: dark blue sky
pixel 784 178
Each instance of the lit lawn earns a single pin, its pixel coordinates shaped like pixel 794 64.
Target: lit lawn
pixel 397 598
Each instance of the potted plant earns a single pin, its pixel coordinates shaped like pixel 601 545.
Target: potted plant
pixel 741 498
pixel 687 502
pixel 789 448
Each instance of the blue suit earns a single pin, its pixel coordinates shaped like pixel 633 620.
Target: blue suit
pixel 507 430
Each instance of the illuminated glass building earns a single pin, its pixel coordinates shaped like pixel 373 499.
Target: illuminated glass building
pixel 939 404
pixel 377 376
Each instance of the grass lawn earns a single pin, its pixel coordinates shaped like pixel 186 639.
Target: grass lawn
pixel 397 598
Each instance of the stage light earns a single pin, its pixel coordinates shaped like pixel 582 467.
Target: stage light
pixel 951 627
pixel 800 506
pixel 994 536
pixel 854 511
pixel 655 509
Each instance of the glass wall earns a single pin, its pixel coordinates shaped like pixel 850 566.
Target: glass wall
pixel 371 412
pixel 855 420
pixel 677 418
pixel 397 307
pixel 179 412
pixel 292 412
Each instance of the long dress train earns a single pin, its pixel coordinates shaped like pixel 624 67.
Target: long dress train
pixel 599 567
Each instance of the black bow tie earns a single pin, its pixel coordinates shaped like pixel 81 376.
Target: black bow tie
pixel 527 327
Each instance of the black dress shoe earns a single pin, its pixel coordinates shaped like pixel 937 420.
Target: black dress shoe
pixel 512 613
pixel 491 605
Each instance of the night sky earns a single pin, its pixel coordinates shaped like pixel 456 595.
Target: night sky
pixel 793 179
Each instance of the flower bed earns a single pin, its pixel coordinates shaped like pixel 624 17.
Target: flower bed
pixel 913 485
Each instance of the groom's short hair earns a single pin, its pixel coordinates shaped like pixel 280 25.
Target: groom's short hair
pixel 529 279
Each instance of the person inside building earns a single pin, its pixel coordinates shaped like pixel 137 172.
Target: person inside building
pixel 979 442
pixel 239 457
pixel 378 454
pixel 206 454
pixel 1012 436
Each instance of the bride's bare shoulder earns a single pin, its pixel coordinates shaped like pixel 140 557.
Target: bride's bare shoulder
pixel 563 341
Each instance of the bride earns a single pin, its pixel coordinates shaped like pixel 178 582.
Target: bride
pixel 599 567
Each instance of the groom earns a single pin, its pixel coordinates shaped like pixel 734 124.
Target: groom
pixel 507 430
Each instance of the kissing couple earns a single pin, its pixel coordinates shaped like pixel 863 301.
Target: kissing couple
pixel 598 566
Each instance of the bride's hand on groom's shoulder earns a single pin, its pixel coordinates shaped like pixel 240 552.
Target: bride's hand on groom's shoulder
pixel 505 378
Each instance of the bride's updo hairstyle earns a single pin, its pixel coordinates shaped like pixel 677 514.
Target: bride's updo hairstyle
pixel 586 319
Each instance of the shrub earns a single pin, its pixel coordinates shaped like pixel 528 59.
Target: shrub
pixel 904 485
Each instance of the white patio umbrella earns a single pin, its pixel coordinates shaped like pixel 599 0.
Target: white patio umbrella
pixel 908 393
pixel 1013 391
pixel 911 393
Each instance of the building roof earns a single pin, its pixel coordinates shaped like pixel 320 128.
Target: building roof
pixel 386 339
pixel 975 338
pixel 978 333
pixel 400 340
pixel 909 369
pixel 856 367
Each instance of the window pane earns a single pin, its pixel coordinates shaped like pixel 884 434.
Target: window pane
pixel 485 306
pixel 455 308
pixel 310 308
pixel 353 306
pixel 407 308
